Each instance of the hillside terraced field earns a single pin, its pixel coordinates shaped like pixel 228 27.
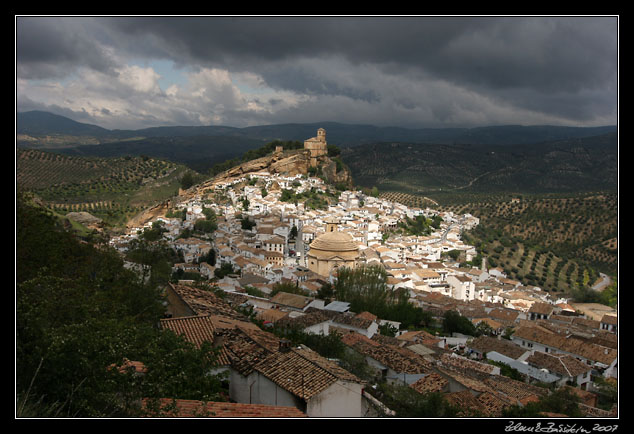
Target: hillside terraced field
pixel 556 242
pixel 110 188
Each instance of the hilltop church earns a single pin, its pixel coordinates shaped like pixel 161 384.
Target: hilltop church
pixel 317 147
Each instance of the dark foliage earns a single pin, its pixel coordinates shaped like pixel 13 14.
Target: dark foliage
pixel 79 314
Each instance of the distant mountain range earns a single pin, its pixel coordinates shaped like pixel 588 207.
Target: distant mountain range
pixel 37 123
pixel 200 147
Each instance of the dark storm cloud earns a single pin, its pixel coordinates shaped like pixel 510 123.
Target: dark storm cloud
pixel 55 47
pixel 539 52
pixel 416 69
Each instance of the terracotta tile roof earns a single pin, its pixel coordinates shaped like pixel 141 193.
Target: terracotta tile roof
pixel 352 320
pixel 466 402
pixel 417 336
pixel 205 302
pixel 310 318
pixel 471 380
pixel 486 344
pixel 459 362
pixel 610 319
pixel 130 366
pixel 495 325
pixel 271 315
pixel 315 316
pixel 605 339
pixel 352 339
pixel 571 345
pixel 472 312
pixel 587 323
pixel 560 364
pixel 505 316
pixel 514 389
pixel 299 370
pixel 196 329
pixel 493 404
pixel 367 316
pixel 244 354
pixel 191 408
pixel 292 300
pixel 542 308
pixel 398 359
pixel 430 383
pixel 387 340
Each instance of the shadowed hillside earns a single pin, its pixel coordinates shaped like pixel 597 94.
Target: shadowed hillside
pixel 571 165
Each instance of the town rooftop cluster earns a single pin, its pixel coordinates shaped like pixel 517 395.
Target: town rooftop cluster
pixel 554 341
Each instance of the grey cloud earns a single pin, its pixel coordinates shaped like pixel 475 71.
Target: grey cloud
pixel 54 47
pixel 406 69
pixel 496 51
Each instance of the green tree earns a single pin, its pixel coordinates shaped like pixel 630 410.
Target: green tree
pixel 154 233
pixel 205 226
pixel 225 269
pixel 453 322
pixel 562 401
pixel 291 288
pixel 365 288
pixel 326 292
pixel 188 180
pixel 388 329
pixel 333 151
pixel 406 402
pixel 247 224
pixel 154 258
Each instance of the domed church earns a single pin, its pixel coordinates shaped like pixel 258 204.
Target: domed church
pixel 331 250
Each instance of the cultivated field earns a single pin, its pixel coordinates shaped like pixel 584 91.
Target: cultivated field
pixel 559 243
pixel 110 188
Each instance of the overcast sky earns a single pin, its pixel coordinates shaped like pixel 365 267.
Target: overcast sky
pixel 137 72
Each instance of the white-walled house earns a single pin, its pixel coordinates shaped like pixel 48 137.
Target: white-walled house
pixel 566 368
pixel 462 287
pixel 603 360
pixel 291 376
pixel 396 366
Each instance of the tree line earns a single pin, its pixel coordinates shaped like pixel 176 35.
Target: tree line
pixel 79 315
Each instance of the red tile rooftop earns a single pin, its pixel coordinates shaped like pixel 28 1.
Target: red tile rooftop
pixel 191 408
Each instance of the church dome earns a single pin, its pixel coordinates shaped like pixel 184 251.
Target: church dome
pixel 334 242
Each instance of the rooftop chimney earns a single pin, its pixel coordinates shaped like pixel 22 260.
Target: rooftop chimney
pixel 285 345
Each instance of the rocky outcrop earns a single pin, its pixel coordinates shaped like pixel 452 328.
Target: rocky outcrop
pixel 149 214
pixel 336 175
pixel 86 219
pixel 284 163
pixel 296 162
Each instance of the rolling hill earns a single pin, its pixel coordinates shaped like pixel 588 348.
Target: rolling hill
pixel 570 165
pixel 112 189
pixel 39 123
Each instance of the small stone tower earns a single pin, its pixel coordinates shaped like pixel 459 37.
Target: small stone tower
pixel 317 146
pixel 321 135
